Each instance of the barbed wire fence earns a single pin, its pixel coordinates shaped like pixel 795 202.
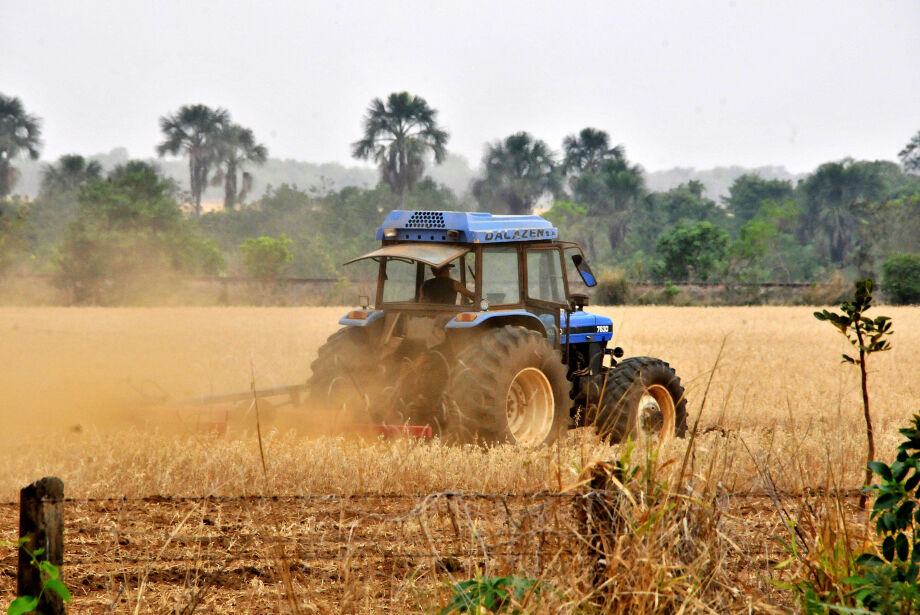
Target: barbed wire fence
pixel 356 546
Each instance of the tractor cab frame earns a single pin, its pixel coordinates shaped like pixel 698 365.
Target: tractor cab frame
pixel 513 268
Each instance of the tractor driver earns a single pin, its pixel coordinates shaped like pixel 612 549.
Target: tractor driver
pixel 442 288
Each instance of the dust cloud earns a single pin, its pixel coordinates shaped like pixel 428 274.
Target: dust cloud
pixel 66 370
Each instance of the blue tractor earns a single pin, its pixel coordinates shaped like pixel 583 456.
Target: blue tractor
pixel 476 331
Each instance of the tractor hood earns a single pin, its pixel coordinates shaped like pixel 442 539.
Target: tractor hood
pixel 587 327
pixel 434 254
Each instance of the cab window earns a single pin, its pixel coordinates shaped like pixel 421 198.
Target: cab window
pixel 461 270
pixel 544 275
pixel 399 281
pixel 406 281
pixel 500 276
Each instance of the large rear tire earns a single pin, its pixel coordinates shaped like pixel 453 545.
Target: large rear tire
pixel 344 374
pixel 642 399
pixel 507 385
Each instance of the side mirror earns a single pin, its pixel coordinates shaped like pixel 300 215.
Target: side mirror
pixel 584 270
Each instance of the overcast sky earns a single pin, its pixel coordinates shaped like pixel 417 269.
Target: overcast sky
pixel 678 83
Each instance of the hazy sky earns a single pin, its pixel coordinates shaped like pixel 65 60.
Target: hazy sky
pixel 678 83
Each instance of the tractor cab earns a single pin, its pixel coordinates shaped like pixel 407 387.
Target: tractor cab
pixel 460 270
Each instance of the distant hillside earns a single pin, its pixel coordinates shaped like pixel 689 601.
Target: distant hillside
pixel 455 172
pixel 274 173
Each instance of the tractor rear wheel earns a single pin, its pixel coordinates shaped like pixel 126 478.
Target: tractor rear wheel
pixel 344 373
pixel 507 385
pixel 643 399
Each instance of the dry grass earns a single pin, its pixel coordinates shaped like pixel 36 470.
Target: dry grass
pixel 780 388
pixel 781 411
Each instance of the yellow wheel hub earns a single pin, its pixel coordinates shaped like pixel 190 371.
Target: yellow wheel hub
pixel 530 407
pixel 655 415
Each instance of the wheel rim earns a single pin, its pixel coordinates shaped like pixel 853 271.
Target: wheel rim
pixel 530 406
pixel 655 414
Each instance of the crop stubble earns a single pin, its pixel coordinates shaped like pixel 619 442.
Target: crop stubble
pixel 72 380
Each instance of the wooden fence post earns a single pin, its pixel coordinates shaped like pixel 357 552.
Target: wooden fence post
pixel 41 520
pixel 600 516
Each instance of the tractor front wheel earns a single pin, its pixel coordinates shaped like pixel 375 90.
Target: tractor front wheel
pixel 507 385
pixel 643 399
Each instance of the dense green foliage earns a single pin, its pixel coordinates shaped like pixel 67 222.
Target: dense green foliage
pixel 266 257
pixel 749 192
pixel 128 230
pixel 12 219
pixel 882 580
pixel 847 216
pixel 692 252
pixel 68 173
pixel 326 228
pixel 901 279
pixel 843 221
pixel 766 250
pixel 889 583
pixel 492 594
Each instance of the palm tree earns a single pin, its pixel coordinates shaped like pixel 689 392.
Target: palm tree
pixel 910 155
pixel 236 146
pixel 696 188
pixel 397 135
pixel 68 173
pixel 601 177
pixel 611 193
pixel 519 170
pixel 586 152
pixel 193 130
pixel 19 132
pixel 136 166
pixel 835 195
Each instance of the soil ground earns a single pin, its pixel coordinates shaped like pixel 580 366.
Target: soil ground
pixel 345 554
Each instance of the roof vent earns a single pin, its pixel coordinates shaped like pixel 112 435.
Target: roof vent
pixel 426 219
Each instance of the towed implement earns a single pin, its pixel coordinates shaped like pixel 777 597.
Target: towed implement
pixel 477 334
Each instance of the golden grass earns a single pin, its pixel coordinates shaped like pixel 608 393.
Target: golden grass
pixel 780 387
pixel 780 401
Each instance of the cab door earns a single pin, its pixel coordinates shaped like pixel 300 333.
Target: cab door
pixel 544 282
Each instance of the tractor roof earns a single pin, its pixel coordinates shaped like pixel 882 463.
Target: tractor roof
pixel 435 254
pixel 463 227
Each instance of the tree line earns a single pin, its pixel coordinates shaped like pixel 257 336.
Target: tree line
pixel 96 231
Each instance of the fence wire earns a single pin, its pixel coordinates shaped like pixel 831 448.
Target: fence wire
pixel 751 494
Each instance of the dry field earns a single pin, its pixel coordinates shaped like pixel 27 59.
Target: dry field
pixel 166 513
